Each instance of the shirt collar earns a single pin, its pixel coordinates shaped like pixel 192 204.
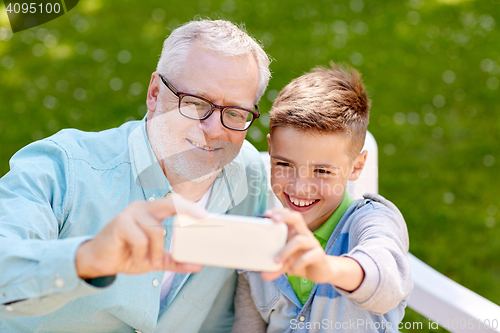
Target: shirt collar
pixel 230 187
pixel 327 228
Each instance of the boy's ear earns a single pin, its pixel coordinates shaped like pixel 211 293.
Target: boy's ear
pixel 269 144
pixel 358 165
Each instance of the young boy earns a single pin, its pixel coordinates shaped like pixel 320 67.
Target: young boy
pixel 344 266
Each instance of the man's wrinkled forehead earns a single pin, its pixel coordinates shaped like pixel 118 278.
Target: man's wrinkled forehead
pixel 204 72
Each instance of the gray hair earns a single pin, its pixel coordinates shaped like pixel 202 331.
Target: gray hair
pixel 220 36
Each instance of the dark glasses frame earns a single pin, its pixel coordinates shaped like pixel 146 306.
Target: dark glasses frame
pixel 255 113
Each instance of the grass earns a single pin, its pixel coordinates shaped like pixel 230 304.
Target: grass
pixel 431 68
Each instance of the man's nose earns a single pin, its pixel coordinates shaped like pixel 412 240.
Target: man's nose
pixel 212 126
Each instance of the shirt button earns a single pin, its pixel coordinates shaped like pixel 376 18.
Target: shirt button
pixel 302 318
pixel 59 283
pixel 9 308
pixel 305 280
pixel 152 198
pixel 155 283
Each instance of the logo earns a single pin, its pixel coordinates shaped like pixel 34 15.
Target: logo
pixel 28 14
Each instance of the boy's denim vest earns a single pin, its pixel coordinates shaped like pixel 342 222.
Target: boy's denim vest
pixel 326 310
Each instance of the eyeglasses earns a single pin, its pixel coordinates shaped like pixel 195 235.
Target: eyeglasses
pixel 199 108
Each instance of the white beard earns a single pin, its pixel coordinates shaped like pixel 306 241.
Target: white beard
pixel 177 160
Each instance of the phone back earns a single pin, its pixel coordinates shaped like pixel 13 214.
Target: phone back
pixel 232 241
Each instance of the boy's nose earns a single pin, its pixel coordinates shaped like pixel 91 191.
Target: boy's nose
pixel 304 187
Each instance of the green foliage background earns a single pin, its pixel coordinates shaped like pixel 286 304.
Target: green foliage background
pixel 431 68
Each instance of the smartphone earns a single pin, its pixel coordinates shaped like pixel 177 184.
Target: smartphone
pixel 232 241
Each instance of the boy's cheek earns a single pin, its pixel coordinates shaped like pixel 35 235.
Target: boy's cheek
pixel 278 178
pixel 277 187
pixel 279 172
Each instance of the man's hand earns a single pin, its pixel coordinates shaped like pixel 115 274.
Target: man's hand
pixel 303 256
pixel 132 243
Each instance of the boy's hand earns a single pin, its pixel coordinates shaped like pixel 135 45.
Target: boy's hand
pixel 303 256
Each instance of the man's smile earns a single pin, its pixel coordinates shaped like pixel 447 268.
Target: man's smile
pixel 203 147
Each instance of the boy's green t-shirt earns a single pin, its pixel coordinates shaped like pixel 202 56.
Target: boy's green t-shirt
pixel 303 286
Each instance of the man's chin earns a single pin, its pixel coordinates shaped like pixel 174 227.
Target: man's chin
pixel 206 177
pixel 192 170
pixel 198 165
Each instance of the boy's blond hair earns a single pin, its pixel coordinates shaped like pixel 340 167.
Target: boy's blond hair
pixel 326 100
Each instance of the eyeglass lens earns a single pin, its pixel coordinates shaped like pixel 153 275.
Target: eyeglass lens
pixel 197 108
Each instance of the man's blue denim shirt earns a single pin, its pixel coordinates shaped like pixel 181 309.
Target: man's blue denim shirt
pixel 60 192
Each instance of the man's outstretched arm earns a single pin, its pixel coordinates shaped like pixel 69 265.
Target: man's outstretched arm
pixel 39 272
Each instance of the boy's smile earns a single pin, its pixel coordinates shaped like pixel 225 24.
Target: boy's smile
pixel 309 171
pixel 300 204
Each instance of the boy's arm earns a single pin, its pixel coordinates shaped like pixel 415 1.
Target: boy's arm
pixel 374 275
pixel 379 241
pixel 344 272
pixel 304 256
pixel 246 316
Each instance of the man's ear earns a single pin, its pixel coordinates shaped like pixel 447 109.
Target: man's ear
pixel 358 165
pixel 153 91
pixel 269 144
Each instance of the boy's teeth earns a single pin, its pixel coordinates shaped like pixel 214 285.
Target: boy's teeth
pixel 301 202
